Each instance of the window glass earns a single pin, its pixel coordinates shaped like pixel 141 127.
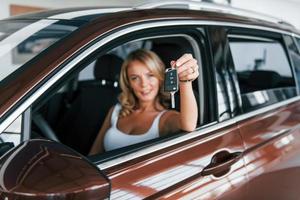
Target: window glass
pixel 13 132
pixel 263 71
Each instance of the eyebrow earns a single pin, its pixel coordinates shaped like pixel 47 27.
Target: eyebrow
pixel 132 74
pixel 149 71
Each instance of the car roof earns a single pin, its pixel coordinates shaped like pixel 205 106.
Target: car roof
pixel 78 13
pixel 87 14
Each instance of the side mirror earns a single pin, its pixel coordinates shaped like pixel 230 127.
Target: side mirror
pixel 42 169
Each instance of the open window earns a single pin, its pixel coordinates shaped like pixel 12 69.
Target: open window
pixel 73 110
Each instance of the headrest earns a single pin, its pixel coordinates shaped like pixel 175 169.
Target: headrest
pixel 264 79
pixel 108 67
pixel 168 52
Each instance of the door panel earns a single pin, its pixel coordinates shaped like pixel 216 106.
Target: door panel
pixel 272 142
pixel 175 172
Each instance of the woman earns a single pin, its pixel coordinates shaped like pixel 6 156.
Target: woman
pixel 143 112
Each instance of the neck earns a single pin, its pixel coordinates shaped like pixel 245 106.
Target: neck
pixel 146 106
pixel 149 106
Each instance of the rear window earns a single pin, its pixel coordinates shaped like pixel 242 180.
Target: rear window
pixel 263 71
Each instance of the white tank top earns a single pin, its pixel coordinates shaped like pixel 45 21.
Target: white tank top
pixel 114 138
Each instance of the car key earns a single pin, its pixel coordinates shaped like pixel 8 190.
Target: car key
pixel 171 83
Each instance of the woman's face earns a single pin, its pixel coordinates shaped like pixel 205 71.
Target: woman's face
pixel 144 83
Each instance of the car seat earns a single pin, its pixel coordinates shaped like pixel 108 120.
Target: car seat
pixel 81 123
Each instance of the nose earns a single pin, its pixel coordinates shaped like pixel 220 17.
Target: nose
pixel 144 81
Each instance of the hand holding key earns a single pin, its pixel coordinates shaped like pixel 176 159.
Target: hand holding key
pixel 187 68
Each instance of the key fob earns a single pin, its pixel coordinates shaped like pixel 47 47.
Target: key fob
pixel 171 80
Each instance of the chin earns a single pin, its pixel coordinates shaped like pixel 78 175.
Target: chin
pixel 147 98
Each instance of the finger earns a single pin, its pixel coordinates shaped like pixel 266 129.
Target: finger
pixel 173 64
pixel 186 72
pixel 183 59
pixel 192 63
pixel 190 76
pixel 187 66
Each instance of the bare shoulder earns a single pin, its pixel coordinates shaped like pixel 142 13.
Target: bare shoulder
pixel 111 110
pixel 98 143
pixel 108 116
pixel 168 115
pixel 169 122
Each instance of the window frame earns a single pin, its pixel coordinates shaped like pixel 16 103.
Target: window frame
pixel 262 35
pixel 152 32
pixel 296 42
pixel 224 74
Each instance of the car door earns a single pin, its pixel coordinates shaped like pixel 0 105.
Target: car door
pixel 270 113
pixel 204 164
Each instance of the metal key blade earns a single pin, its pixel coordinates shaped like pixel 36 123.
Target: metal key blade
pixel 172 99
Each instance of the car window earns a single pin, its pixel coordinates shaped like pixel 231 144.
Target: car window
pixel 75 111
pixel 13 132
pixel 263 70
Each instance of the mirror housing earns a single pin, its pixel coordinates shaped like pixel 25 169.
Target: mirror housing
pixel 43 169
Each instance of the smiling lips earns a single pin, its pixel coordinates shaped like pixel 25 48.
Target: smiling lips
pixel 145 93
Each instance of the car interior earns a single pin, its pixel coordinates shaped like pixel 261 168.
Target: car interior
pixel 73 112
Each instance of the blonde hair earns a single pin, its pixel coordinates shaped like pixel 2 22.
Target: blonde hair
pixel 127 98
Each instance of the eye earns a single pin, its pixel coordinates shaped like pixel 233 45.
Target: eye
pixel 150 75
pixel 133 78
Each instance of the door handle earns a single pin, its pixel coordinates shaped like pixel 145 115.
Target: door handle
pixel 221 162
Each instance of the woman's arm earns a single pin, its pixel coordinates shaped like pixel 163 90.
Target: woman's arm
pixel 186 119
pixel 98 143
pixel 188 107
